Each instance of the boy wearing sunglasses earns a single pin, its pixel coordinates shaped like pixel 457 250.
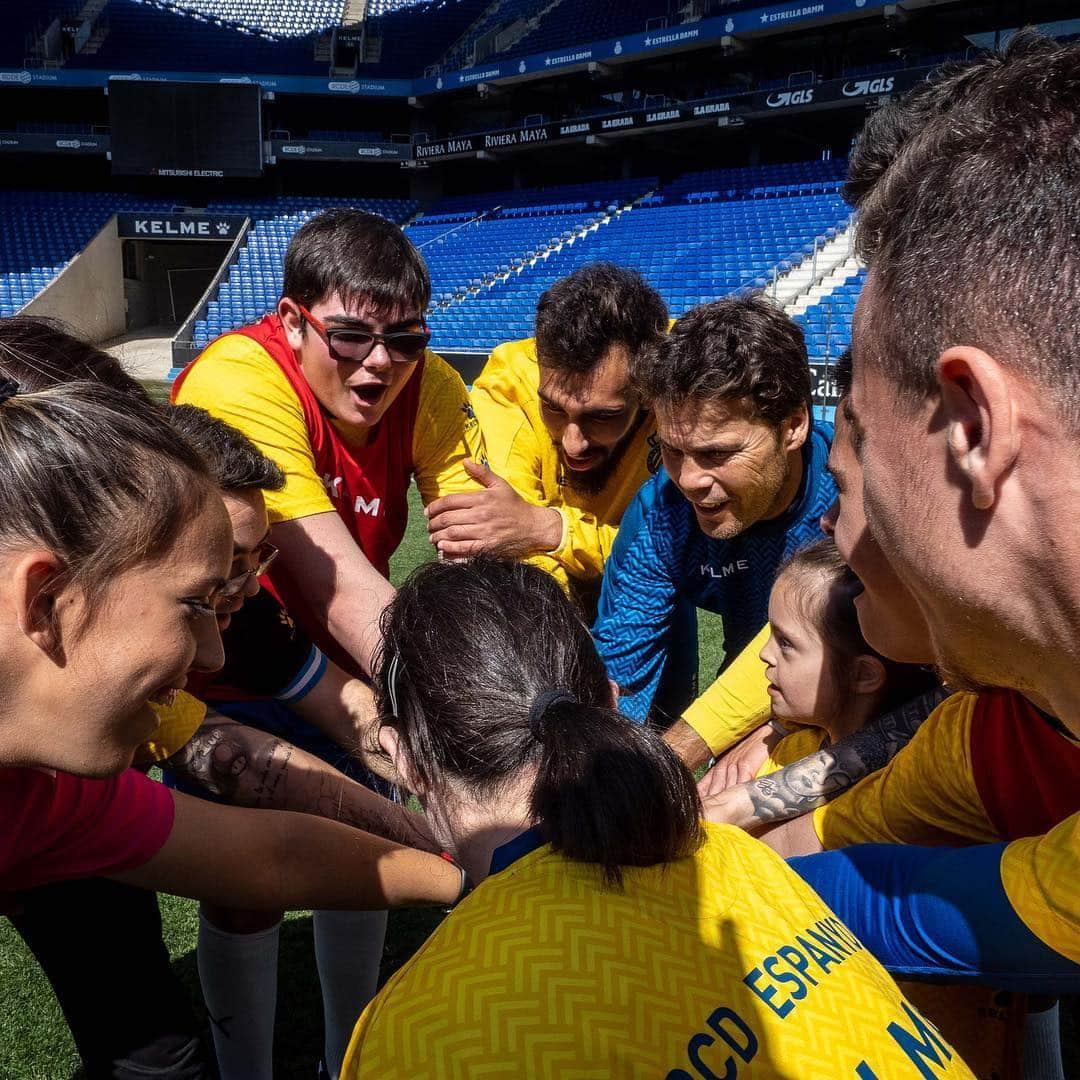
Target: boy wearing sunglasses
pixel 338 387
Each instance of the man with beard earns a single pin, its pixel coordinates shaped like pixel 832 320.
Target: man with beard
pixel 568 439
pixel 744 485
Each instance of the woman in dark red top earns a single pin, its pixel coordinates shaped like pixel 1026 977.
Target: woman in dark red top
pixel 114 544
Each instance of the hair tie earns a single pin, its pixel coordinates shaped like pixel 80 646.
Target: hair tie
pixel 540 707
pixel 8 389
pixel 393 669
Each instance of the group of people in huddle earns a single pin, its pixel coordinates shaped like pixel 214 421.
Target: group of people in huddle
pixel 891 748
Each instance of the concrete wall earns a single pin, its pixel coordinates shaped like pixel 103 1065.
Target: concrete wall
pixel 89 293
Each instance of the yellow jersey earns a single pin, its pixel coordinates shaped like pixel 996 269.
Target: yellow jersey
pixel 935 792
pixel 238 381
pixel 520 449
pixel 736 703
pixel 985 1025
pixel 177 723
pixel 723 963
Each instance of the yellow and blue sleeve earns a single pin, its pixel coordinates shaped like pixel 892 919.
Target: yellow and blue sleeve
pixel 736 703
pixel 925 795
pixel 945 913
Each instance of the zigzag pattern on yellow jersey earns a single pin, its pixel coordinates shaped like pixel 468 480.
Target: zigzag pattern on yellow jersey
pixel 724 964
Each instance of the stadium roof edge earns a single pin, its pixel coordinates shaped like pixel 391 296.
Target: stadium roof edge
pixel 753 23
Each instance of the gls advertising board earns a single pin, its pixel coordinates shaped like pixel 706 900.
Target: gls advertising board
pixel 832 94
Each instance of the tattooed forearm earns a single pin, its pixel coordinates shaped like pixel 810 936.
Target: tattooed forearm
pixel 238 763
pixel 807 784
pixel 248 767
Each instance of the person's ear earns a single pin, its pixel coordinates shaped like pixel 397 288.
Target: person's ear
pixel 613 686
pixel 391 744
pixel 868 674
pixel 980 418
pixel 36 596
pixel 292 321
pixel 796 428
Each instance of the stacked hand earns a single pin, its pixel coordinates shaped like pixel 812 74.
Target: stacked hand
pixel 494 519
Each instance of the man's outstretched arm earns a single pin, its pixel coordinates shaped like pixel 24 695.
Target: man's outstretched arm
pixel 811 782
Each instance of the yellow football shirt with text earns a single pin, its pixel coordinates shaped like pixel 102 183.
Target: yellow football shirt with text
pixel 720 964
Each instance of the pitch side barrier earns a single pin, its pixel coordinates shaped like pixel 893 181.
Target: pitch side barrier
pixel 741 25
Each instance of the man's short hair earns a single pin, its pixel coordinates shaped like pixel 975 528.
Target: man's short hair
pixel 581 317
pixel 235 463
pixel 971 232
pixel 738 348
pixel 359 256
pixel 842 373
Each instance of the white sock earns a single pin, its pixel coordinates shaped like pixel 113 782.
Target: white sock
pixel 348 951
pixel 238 973
pixel 1042 1046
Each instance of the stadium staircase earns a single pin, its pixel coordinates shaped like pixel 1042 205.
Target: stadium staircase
pixel 827 320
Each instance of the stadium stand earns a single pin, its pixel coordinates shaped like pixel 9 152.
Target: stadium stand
pixel 491 256
pixel 827 324
pixel 297 18
pixel 693 246
pixel 42 231
pixel 403 49
pixel 149 36
pixel 592 20
pixel 497 17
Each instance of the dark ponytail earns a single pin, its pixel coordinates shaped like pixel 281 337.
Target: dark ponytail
pixel 469 650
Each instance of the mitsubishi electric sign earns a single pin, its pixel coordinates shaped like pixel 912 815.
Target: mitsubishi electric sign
pixel 179 226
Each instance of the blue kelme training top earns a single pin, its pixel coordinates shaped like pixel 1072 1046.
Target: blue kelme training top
pixel 662 562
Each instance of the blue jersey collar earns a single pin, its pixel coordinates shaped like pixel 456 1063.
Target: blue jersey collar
pixel 507 854
pixel 815 456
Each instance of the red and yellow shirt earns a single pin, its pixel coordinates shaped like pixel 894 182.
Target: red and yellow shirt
pixel 982 768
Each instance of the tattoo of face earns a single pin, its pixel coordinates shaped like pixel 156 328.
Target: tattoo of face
pixel 805 785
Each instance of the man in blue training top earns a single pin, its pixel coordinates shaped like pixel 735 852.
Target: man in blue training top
pixel 744 484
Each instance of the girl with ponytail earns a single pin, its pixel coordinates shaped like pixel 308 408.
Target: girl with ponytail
pixel 611 932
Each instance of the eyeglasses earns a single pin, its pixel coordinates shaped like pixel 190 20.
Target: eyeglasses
pixel 265 553
pixel 354 346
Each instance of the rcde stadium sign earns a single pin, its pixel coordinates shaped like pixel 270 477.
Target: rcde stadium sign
pixel 315 150
pixel 179 226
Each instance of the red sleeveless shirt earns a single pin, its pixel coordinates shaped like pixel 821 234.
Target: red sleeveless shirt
pixel 368 484
pixel 1026 771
